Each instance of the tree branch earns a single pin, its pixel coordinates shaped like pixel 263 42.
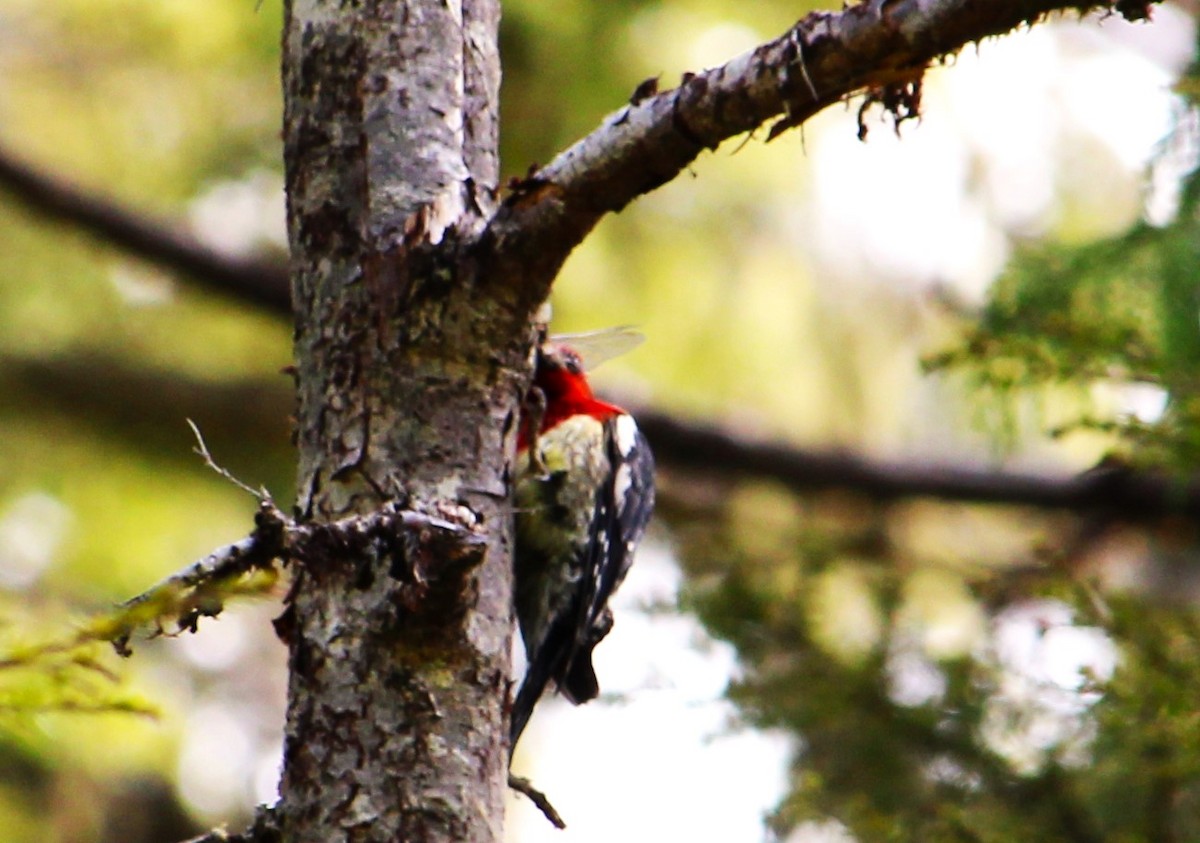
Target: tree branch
pixel 825 57
pixel 880 45
pixel 1117 492
pixel 259 281
pixel 186 595
pixel 99 389
pixel 413 539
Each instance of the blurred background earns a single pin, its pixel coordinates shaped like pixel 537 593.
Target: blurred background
pixel 1006 285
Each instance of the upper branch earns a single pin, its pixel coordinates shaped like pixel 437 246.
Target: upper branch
pixel 823 58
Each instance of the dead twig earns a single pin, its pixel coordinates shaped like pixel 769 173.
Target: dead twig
pixel 538 798
pixel 201 448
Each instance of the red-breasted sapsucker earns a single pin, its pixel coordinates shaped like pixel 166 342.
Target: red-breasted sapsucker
pixel 584 493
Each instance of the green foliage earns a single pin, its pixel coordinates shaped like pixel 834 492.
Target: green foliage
pixel 64 677
pixel 986 749
pixel 68 672
pixel 1146 784
pixel 979 748
pixel 1118 312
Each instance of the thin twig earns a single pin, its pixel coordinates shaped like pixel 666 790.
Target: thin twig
pixel 799 42
pixel 28 655
pixel 262 495
pixel 538 798
pixel 264 829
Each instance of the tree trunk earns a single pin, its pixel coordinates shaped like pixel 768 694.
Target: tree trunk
pixel 410 364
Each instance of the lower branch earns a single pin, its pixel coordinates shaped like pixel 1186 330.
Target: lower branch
pixel 201 589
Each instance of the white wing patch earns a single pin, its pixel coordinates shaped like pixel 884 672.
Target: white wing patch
pixel 626 434
pixel 621 483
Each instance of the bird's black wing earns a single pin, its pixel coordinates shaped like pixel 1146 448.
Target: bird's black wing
pixel 623 508
pixel 624 504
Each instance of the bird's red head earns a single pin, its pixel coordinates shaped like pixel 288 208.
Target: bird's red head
pixel 560 377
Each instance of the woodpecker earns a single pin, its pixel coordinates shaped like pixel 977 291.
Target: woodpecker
pixel 584 493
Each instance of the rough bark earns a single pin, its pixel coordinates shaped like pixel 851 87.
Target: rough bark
pixel 409 365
